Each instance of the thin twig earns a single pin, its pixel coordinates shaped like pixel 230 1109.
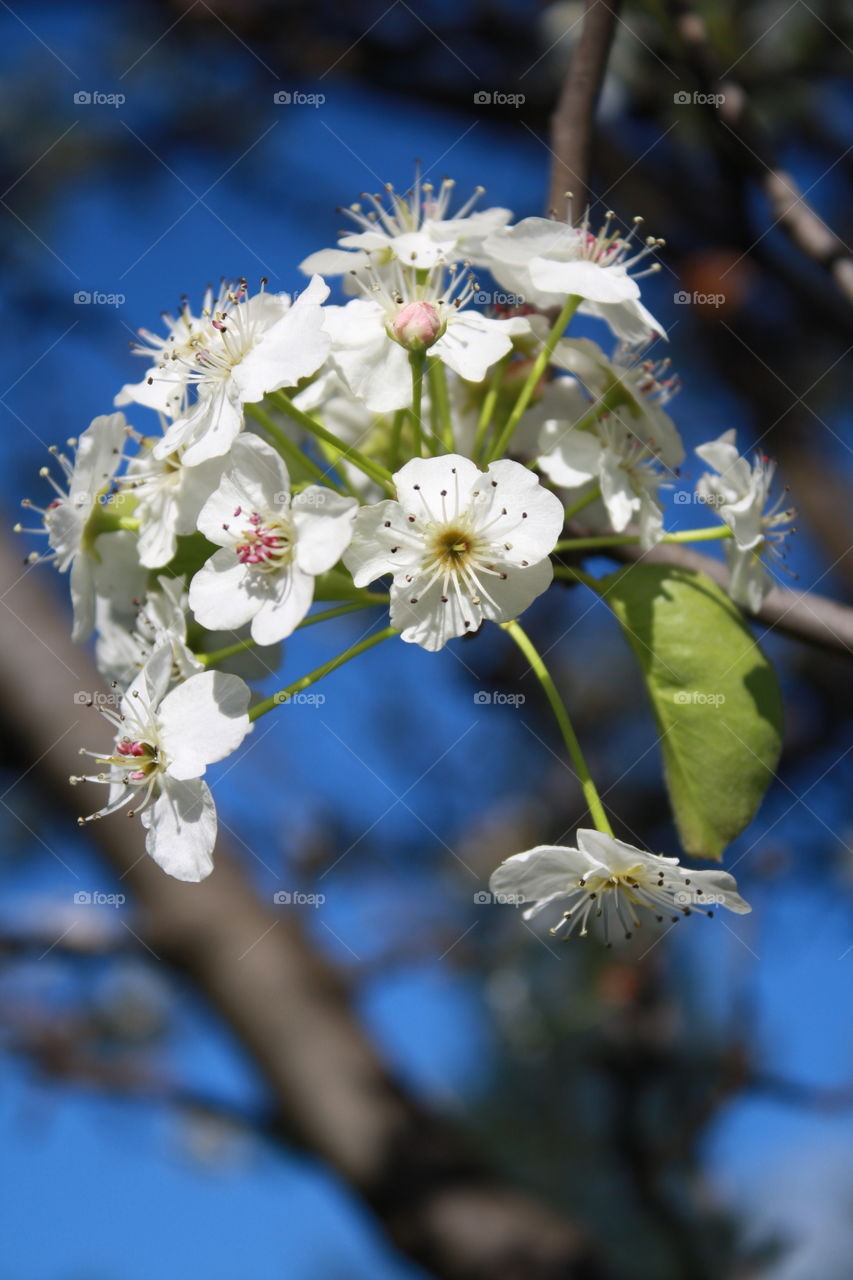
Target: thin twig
pixel 574 117
pixel 751 149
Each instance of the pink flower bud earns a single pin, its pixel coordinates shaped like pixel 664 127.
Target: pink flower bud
pixel 417 326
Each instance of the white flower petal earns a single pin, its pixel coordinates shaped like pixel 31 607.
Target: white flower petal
pixel 539 876
pixel 324 525
pixel 431 491
pixel 201 721
pixel 223 594
pixel 379 528
pixel 472 343
pixel 181 826
pixel 280 614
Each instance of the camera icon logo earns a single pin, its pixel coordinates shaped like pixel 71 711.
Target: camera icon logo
pixel 282 898
pixel 482 896
pixel 682 496
pixel 282 97
pixel 482 698
pixel 681 98
pixel 482 97
pixel 82 298
pixel 82 97
pixel 682 297
pixel 82 898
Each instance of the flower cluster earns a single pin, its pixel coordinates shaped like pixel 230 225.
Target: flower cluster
pixel 403 447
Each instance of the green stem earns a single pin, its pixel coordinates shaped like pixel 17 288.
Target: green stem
pixel 632 539
pixel 572 574
pixel 500 444
pixel 585 501
pixel 490 399
pixel 372 598
pixel 441 402
pixel 370 468
pixel 287 448
pixel 312 677
pixel 396 438
pixel 561 715
pixel 219 655
pixel 417 361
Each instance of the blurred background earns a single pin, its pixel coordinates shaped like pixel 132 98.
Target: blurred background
pixel 688 1103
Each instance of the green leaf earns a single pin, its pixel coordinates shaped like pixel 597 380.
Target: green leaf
pixel 714 695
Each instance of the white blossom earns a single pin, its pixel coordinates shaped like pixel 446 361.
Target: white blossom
pixel 165 739
pixel 368 342
pixel 254 345
pixel 608 879
pixel 415 231
pixel 164 386
pixel 545 261
pixel 71 520
pixel 272 545
pixel 739 494
pixel 631 389
pixel 463 546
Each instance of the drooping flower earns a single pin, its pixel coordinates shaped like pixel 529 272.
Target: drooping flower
pixel 165 739
pixel 169 495
pixel 72 521
pixel 606 879
pixel 626 471
pixel 739 494
pixel 258 344
pixel 414 231
pixel 272 545
pixel 544 261
pixel 631 389
pixel 372 336
pixel 463 546
pixel 125 643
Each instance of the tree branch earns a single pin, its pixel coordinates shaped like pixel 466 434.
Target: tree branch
pixel 752 151
pixel 574 117
pixel 288 1007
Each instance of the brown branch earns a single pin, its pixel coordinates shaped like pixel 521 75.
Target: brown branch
pixel 752 151
pixel 574 117
pixel 288 1007
pixel 805 616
